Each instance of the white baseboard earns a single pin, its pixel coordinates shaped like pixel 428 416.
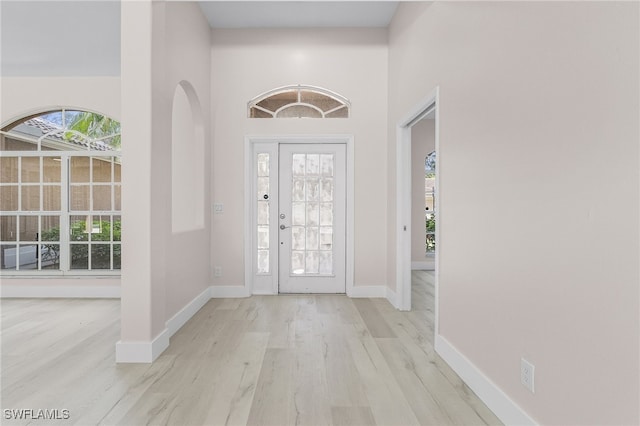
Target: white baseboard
pixel 424 265
pixel 502 406
pixel 146 352
pixel 229 291
pixel 392 297
pixel 376 291
pixel 142 352
pixel 176 322
pixel 57 291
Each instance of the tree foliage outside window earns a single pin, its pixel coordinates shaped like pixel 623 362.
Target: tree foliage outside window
pixel 430 241
pixel 95 126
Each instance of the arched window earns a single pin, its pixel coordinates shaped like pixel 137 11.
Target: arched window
pixel 299 102
pixel 62 130
pixel 60 194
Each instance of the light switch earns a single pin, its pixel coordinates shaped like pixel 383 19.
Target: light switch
pixel 218 208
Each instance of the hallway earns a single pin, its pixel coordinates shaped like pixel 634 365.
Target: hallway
pixel 300 359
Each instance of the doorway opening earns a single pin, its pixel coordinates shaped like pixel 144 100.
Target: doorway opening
pixel 299 215
pixel 427 109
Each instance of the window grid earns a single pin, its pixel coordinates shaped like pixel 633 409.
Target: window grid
pixel 15 254
pixel 92 247
pixel 49 251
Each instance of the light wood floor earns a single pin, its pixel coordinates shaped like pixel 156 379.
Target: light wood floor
pixel 272 360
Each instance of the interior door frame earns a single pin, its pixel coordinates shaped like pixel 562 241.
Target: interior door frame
pixel 403 206
pixel 249 218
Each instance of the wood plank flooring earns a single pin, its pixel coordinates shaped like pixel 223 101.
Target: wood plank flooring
pixel 264 360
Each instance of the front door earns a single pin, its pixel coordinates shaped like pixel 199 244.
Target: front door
pixel 312 218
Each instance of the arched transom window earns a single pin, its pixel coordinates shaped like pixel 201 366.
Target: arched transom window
pixel 299 102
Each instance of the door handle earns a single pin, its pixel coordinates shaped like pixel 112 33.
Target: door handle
pixel 284 227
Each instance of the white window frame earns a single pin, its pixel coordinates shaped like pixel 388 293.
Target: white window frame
pixel 65 213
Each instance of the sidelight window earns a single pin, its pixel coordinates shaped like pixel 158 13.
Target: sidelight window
pixel 262 225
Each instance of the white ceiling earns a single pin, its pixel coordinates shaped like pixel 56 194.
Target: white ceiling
pixel 82 38
pixel 298 14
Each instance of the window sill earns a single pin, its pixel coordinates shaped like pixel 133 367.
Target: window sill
pixel 48 276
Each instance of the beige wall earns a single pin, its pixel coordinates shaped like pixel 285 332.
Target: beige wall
pixel 22 96
pixel 423 142
pixel 163 44
pixel 188 50
pixel 542 100
pixel 246 63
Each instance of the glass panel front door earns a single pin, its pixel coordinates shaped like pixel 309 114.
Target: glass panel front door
pixel 312 190
pixel 312 218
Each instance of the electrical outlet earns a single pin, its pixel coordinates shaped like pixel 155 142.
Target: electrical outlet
pixel 527 374
pixel 217 271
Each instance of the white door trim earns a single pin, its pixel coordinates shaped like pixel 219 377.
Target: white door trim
pixel 249 238
pixel 403 205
